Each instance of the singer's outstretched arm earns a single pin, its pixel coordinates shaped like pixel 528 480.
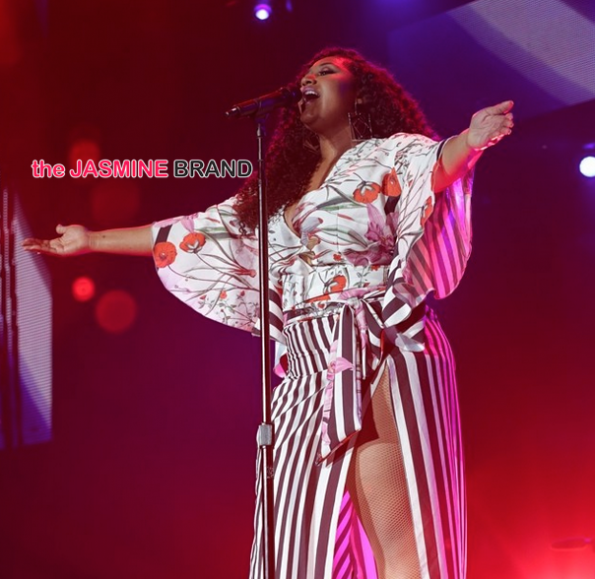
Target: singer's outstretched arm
pixel 488 127
pixel 77 240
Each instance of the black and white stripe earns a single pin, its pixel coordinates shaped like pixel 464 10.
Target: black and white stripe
pixel 317 530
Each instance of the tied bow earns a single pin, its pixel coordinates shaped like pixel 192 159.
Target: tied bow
pixel 359 341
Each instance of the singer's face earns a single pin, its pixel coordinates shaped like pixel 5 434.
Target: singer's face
pixel 328 95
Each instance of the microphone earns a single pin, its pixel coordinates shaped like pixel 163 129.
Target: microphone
pixel 282 97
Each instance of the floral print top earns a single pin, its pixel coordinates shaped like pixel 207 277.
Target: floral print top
pixel 374 228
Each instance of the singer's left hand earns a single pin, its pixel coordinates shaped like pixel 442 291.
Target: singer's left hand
pixel 490 125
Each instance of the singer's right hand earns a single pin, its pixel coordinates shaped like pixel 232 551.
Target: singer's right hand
pixel 73 240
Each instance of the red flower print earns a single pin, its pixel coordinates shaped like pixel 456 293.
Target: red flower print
pixel 193 242
pixel 391 185
pixel 337 256
pixel 164 253
pixel 223 295
pixel 367 192
pixel 337 284
pixel 322 298
pixel 237 269
pixel 426 211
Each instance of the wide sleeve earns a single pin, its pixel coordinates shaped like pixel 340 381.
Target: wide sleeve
pixel 206 261
pixel 433 230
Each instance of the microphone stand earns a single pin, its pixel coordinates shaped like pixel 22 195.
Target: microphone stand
pixel 265 430
pixel 258 109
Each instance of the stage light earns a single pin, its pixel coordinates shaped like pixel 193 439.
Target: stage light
pixel 587 166
pixel 116 311
pixel 83 149
pixel 83 289
pixel 263 11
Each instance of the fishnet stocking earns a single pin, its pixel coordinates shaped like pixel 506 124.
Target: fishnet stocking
pixel 377 485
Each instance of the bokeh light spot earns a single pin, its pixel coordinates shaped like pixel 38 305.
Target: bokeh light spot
pixel 587 166
pixel 262 11
pixel 116 311
pixel 83 289
pixel 83 149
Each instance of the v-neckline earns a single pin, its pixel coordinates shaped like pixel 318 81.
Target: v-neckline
pixel 327 176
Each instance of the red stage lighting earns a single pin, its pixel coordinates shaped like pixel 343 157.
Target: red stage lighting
pixel 83 289
pixel 83 149
pixel 116 311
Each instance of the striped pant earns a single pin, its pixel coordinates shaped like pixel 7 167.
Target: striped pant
pixel 317 532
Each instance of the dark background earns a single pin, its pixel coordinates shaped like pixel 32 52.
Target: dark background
pixel 150 472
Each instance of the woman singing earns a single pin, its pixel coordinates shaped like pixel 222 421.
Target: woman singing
pixel 368 215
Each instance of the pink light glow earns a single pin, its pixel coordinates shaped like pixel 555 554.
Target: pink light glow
pixel 262 11
pixel 83 289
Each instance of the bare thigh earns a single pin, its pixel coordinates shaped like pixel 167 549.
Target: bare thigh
pixel 377 485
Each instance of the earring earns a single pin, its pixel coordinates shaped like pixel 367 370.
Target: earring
pixel 360 123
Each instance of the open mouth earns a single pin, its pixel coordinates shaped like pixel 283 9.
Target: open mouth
pixel 309 95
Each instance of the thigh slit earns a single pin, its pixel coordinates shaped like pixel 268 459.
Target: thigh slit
pixel 377 484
